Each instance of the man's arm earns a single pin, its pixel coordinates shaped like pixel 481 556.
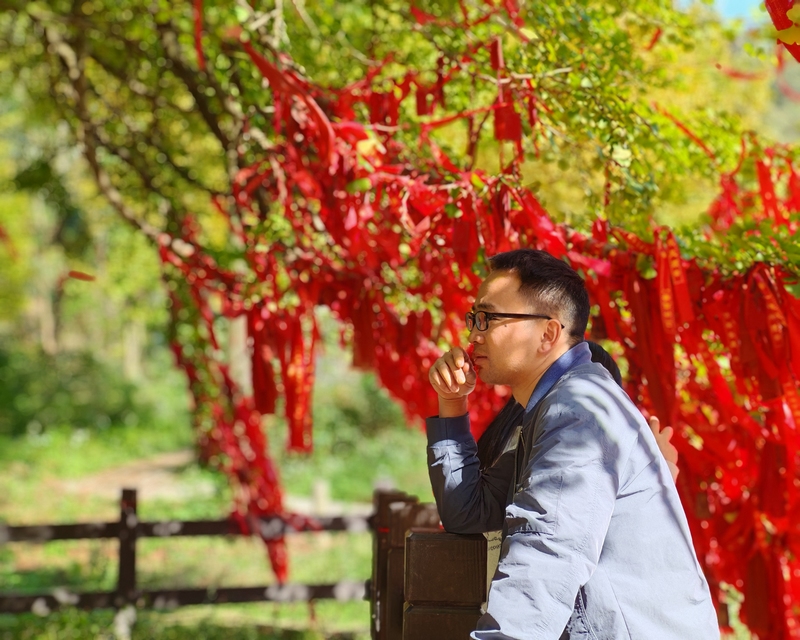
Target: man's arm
pixel 557 525
pixel 468 500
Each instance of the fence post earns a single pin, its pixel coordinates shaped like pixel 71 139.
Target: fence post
pixel 379 587
pixel 128 521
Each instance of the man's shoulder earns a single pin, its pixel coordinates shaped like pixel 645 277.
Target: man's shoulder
pixel 587 371
pixel 589 378
pixel 590 391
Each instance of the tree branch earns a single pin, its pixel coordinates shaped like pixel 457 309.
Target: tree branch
pixel 169 41
pixel 86 134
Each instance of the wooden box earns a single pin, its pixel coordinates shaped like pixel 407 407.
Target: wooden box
pixel 445 568
pixel 430 622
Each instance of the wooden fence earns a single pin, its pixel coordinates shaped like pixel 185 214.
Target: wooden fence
pixel 129 529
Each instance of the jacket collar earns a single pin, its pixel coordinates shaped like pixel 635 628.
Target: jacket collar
pixel 577 355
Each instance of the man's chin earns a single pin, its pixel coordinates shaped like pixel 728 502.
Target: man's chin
pixel 492 378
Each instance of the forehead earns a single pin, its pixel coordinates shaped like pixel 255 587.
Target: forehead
pixel 500 292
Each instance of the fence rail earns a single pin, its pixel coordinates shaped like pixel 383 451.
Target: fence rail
pixel 270 528
pixel 128 529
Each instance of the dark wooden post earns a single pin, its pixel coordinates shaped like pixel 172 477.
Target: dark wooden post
pixel 382 501
pixel 395 513
pixel 128 522
pixel 445 584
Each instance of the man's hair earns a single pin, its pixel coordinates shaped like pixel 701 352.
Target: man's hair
pixel 553 287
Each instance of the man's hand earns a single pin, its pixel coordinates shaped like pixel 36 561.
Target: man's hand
pixel 453 377
pixel 667 449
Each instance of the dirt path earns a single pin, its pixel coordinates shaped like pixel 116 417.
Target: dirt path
pixel 156 477
pixel 163 477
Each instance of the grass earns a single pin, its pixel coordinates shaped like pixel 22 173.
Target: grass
pixel 78 625
pixel 393 458
pixel 35 470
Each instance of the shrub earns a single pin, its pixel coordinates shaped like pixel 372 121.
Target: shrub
pixel 39 391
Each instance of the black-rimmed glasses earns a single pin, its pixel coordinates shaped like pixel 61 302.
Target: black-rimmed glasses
pixel 480 319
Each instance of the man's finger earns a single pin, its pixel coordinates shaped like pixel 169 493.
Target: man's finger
pixel 444 371
pixel 433 378
pixel 449 375
pixel 439 384
pixel 469 372
pixel 451 370
pixel 459 357
pixel 667 433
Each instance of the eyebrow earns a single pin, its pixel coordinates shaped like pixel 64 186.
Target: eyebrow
pixel 484 306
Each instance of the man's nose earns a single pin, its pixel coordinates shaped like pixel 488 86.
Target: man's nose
pixel 475 335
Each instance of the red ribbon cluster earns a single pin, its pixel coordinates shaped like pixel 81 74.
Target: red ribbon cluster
pixel 382 242
pixel 778 10
pixel 776 173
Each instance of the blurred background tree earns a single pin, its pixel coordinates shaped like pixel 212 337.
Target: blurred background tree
pixel 73 351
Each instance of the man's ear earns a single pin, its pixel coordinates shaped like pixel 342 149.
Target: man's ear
pixel 552 334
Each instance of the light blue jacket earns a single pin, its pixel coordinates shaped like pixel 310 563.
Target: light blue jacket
pixel 596 544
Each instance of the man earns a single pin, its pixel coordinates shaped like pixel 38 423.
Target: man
pixel 596 544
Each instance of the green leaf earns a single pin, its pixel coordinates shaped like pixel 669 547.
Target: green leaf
pixel 452 210
pixel 359 185
pixel 622 156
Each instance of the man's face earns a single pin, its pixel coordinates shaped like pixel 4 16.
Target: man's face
pixel 505 352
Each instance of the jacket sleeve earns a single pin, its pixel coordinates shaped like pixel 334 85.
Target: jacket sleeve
pixel 557 525
pixel 469 501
